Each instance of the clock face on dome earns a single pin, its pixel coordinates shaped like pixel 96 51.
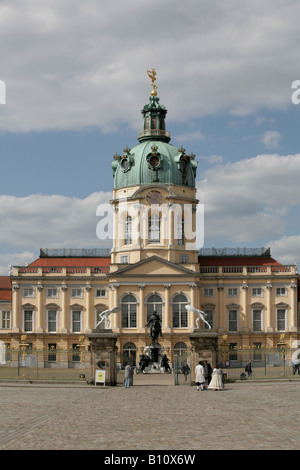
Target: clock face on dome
pixel 154 197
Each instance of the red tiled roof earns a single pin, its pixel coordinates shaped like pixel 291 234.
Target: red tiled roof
pixel 5 288
pixel 236 261
pixel 64 262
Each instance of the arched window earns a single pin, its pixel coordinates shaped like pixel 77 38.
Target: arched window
pixel 128 230
pixel 154 228
pixel 129 354
pixel 180 348
pixel 154 303
pixel 180 314
pixel 128 309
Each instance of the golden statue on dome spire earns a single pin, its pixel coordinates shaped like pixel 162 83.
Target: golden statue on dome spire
pixel 152 75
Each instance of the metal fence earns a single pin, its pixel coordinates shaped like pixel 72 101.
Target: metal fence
pixel 51 365
pixel 265 363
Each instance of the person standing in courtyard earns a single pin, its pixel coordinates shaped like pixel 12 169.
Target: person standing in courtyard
pixel 207 372
pixel 127 376
pixel 248 369
pixel 216 380
pixel 200 377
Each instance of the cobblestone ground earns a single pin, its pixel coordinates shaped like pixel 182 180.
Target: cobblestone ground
pixel 246 415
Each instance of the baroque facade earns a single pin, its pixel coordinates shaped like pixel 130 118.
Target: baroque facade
pixel 153 265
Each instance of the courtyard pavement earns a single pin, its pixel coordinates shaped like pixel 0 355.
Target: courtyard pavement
pixel 153 414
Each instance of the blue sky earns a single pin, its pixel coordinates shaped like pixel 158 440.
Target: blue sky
pixel 76 81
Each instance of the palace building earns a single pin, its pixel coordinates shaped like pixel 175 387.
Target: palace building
pixel 154 265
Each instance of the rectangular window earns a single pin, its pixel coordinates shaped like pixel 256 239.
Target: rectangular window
pixel 76 292
pixel 184 259
pixel 52 352
pixel 232 356
pixel 52 321
pixel 180 231
pixel 208 292
pixel 281 291
pixel 101 293
pixel 76 353
pixel 257 353
pixel 281 320
pixel 257 291
pixel 154 228
pixel 28 292
pixel 76 321
pixel 28 321
pixel 232 320
pixel 52 292
pixel 5 319
pixel 209 318
pixel 257 320
pixel 232 292
pixel 124 259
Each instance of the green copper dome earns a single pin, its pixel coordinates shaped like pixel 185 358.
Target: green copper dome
pixel 154 160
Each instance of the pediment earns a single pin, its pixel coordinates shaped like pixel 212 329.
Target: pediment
pixel 154 266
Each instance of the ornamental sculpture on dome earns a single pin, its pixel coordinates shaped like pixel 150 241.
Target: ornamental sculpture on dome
pixel 152 75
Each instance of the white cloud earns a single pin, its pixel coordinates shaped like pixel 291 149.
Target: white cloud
pixel 71 65
pixel 50 221
pixel 15 259
pixel 251 200
pixel 286 249
pixel 271 139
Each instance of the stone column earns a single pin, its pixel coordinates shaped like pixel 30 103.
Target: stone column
pixel 115 318
pixel 167 321
pixel 220 320
pixel 141 321
pixel 64 316
pixel 191 316
pixel 269 320
pixel 16 321
pixel 39 314
pixel 88 320
pixel 246 321
pixel 293 317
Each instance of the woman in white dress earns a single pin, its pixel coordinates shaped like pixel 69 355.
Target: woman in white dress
pixel 216 380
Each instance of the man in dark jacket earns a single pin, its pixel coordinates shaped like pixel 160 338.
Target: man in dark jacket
pixel 207 372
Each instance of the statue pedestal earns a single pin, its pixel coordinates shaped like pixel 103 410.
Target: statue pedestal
pixel 103 354
pixel 204 345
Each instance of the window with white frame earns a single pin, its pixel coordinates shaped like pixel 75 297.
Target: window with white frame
pixel 209 318
pixel 100 292
pixel 52 347
pixel 128 230
pixel 154 304
pixel 28 292
pixel 76 321
pixel 232 292
pixel 208 292
pixel 129 311
pixel 154 228
pixel 180 230
pixel 52 320
pixel 5 319
pixel 257 319
pixel 257 291
pixel 124 259
pixel 281 291
pixel 179 312
pixel 232 320
pixel 52 292
pixel 28 320
pixel 281 319
pixel 184 259
pixel 76 292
